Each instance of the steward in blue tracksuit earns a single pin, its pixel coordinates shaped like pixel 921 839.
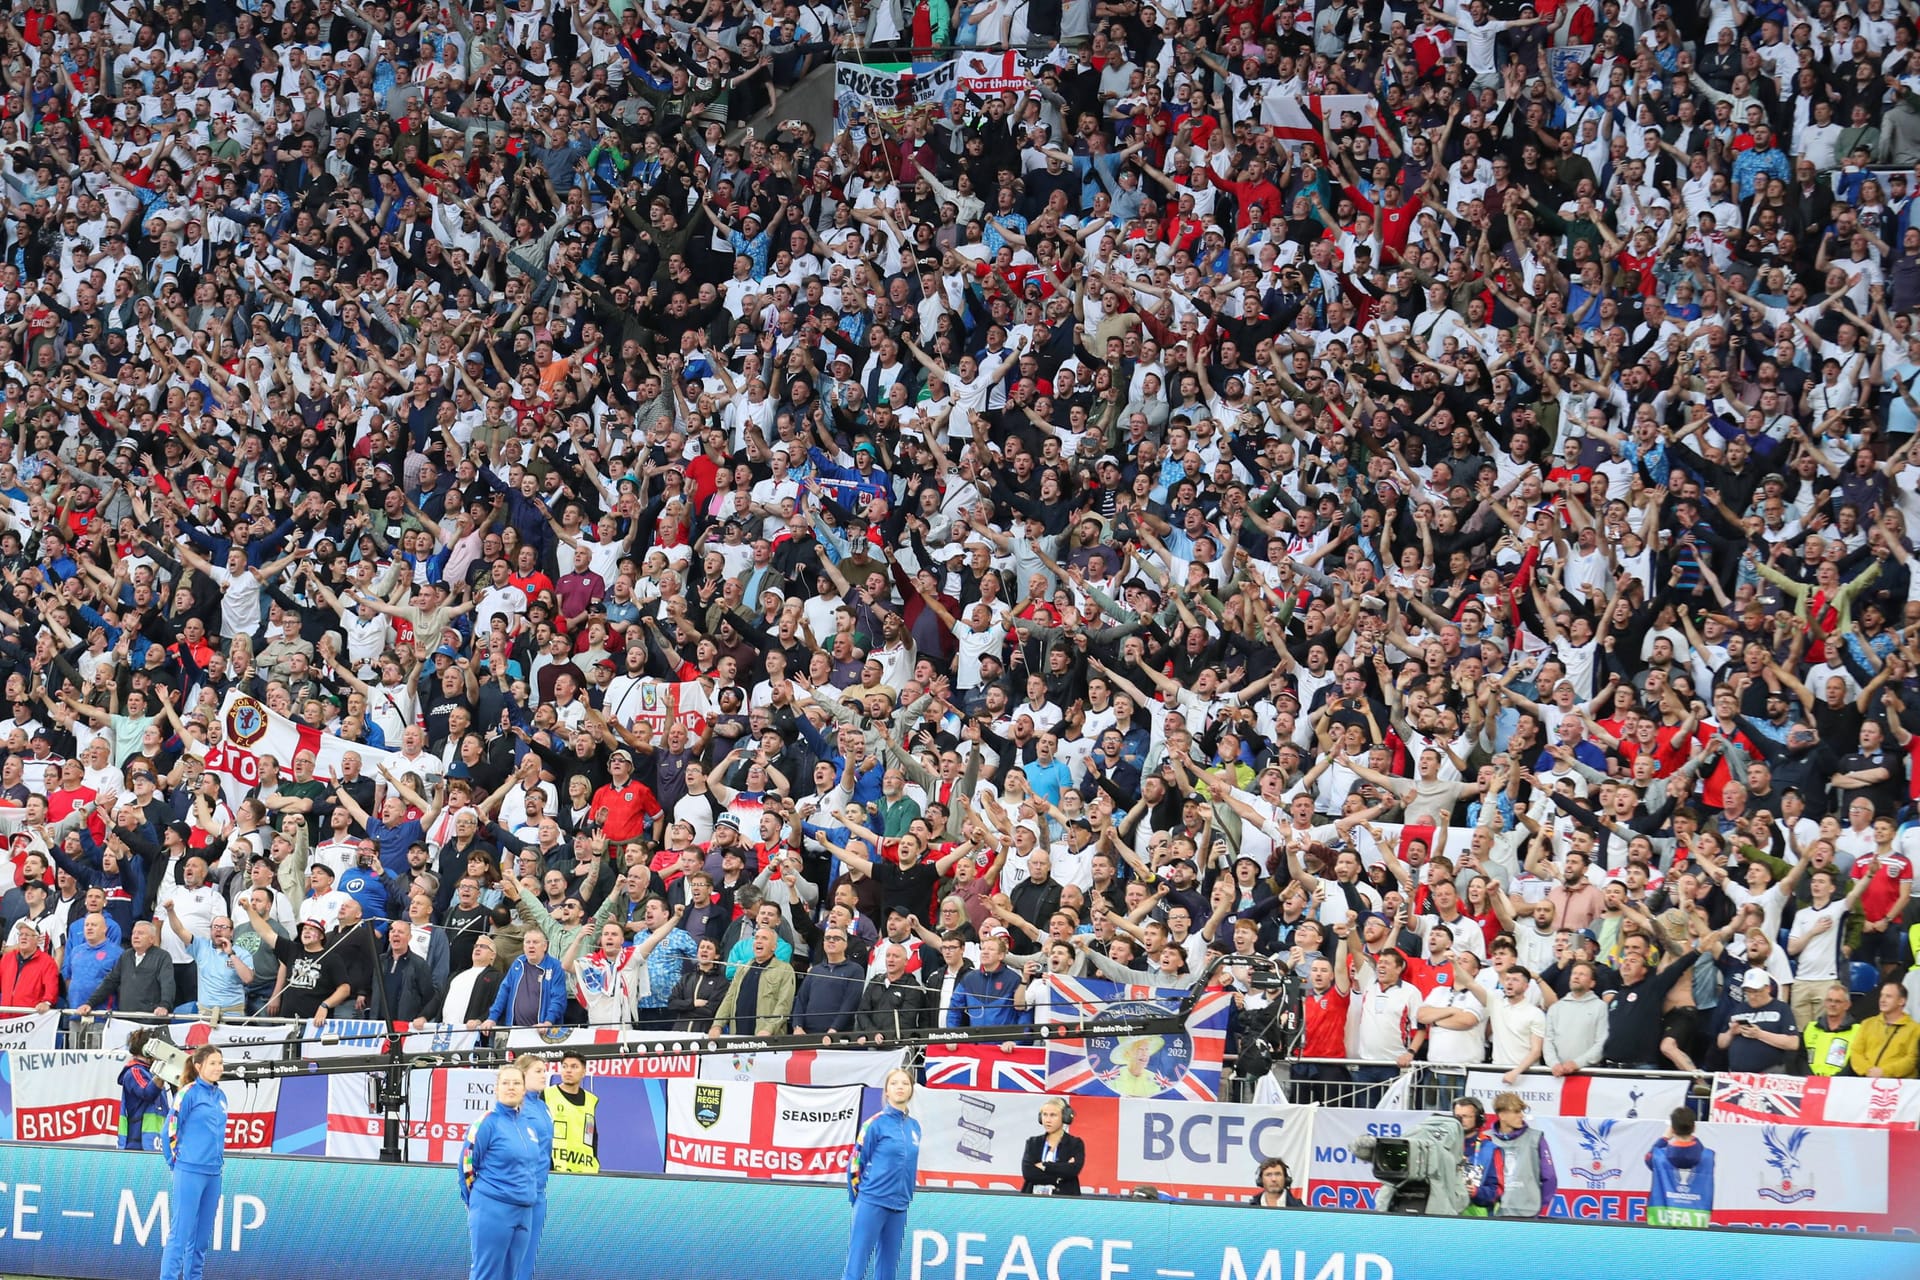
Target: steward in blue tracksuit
pixel 1682 1183
pixel 500 1171
pixel 880 1182
pixel 196 1150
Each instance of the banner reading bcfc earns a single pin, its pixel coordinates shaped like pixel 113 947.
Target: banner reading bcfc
pixel 1205 1151
pixel 746 1130
pixel 1194 1150
pixel 1615 1097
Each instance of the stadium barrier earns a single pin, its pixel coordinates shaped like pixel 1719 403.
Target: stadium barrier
pixel 795 1116
pixel 101 1215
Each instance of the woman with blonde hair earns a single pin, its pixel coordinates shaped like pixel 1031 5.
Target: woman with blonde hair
pixel 880 1180
pixel 533 1069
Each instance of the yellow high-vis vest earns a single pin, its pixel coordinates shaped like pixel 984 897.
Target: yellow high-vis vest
pixel 574 1131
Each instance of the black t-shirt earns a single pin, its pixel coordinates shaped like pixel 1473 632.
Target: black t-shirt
pixel 439 708
pixel 1633 1019
pixel 312 976
pixel 1744 1053
pixel 911 889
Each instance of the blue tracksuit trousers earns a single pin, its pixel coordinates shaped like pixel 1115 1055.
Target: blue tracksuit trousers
pixel 876 1241
pixel 536 1224
pixel 498 1233
pixel 191 1209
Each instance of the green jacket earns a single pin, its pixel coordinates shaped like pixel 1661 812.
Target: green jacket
pixel 773 1006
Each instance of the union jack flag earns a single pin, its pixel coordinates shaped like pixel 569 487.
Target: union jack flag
pixel 1178 1066
pixel 1743 1098
pixel 1021 1069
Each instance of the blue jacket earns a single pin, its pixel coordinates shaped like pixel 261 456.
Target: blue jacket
pixel 143 1106
pixel 846 484
pixel 197 1130
pixel 886 1160
pixel 829 997
pixel 87 967
pixel 983 999
pixel 1682 1176
pixel 537 1115
pixel 505 1158
pixel 374 896
pixel 553 991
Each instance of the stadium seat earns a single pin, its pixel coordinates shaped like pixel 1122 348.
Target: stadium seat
pixel 1863 978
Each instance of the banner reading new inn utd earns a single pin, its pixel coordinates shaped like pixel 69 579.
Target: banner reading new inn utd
pixel 103 1215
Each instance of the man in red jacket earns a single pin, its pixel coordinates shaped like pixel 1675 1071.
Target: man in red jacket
pixel 29 978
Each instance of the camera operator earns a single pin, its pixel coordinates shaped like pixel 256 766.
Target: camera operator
pixel 1054 1158
pixel 1275 1181
pixel 1472 1115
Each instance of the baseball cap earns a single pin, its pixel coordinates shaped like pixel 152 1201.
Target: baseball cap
pixel 1756 980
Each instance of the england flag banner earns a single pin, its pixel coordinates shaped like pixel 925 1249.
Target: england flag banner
pixel 742 1129
pixel 1296 118
pixel 1578 1095
pixel 1170 1066
pixel 354 1129
pixel 249 729
pixel 867 1067
pixel 1744 1098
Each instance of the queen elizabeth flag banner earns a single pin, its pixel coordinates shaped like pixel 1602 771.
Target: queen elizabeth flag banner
pixel 1152 1066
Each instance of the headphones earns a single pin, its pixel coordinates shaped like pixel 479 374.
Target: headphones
pixel 1260 1181
pixel 1066 1110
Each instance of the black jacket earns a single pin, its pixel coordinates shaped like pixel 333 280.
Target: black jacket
pixel 710 987
pixel 143 983
pixel 894 1009
pixel 1062 1173
pixel 403 990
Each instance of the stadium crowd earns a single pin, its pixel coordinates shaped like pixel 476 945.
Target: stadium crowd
pixel 1457 546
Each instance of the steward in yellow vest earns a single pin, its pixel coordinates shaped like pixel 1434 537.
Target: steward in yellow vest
pixel 576 1130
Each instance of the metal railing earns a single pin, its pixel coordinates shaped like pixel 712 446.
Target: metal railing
pixel 1421 1086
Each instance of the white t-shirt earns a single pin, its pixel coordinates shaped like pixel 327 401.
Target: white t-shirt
pixel 1384 1021
pixel 1817 957
pixel 1444 1044
pixel 1512 1027
pixel 239 602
